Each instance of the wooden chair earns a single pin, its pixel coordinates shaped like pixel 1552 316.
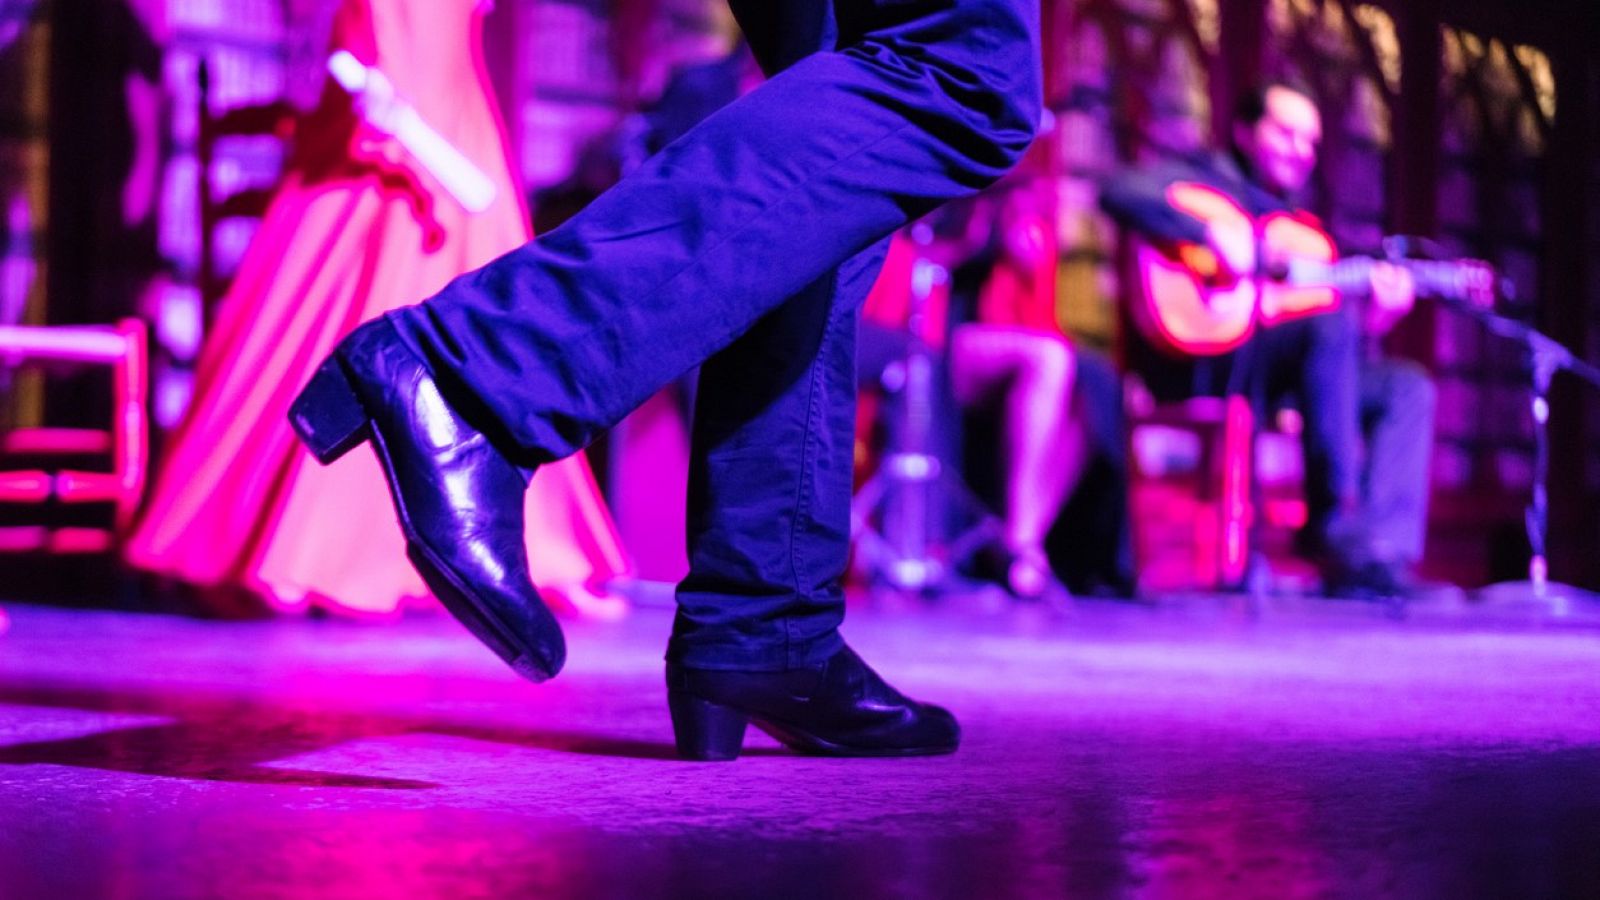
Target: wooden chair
pixel 1210 491
pixel 50 467
pixel 275 120
pixel 1190 467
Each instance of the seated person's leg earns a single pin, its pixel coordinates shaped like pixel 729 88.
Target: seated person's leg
pixel 1397 404
pixel 1031 374
pixel 1315 360
pixel 1091 543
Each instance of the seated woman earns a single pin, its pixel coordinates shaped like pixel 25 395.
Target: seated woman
pixel 1004 353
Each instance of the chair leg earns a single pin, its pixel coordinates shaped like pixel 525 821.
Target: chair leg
pixel 1238 445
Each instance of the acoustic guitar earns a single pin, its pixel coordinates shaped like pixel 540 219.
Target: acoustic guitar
pixel 1188 304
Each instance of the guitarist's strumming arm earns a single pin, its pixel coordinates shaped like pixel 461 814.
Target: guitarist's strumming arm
pixel 1137 200
pixel 1140 201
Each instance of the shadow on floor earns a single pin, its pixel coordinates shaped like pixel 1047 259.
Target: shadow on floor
pixel 236 739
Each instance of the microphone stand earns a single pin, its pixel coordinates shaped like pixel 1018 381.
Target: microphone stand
pixel 896 517
pixel 1546 356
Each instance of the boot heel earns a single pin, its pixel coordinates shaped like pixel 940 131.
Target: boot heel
pixel 327 416
pixel 706 731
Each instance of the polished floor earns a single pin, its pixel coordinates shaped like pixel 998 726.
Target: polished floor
pixel 1201 747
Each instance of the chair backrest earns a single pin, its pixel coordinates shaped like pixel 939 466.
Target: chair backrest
pixel 276 120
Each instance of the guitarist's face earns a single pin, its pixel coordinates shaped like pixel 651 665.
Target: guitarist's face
pixel 1282 146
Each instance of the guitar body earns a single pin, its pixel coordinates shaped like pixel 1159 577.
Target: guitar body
pixel 1289 237
pixel 1187 305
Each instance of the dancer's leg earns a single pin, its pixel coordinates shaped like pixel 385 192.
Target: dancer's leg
pixel 771 462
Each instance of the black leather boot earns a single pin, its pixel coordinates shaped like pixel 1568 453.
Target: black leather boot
pixel 838 707
pixel 459 499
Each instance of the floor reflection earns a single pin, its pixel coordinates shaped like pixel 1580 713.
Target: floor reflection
pixel 1265 760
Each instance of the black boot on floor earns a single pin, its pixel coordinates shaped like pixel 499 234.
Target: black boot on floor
pixel 838 707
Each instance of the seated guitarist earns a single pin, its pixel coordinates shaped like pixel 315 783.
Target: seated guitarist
pixel 1365 524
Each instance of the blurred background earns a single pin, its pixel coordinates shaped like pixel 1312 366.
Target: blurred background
pixel 139 140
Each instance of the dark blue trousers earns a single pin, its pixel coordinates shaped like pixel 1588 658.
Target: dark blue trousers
pixel 1397 409
pixel 1316 360
pixel 746 246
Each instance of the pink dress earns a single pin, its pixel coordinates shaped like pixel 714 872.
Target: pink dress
pixel 357 228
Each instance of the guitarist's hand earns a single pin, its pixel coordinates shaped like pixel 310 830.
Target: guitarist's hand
pixel 1234 243
pixel 1394 292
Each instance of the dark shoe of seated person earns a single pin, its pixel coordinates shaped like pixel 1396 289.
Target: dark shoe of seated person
pixel 1025 573
pixel 1343 553
pixel 1031 577
pixel 458 498
pixel 1363 581
pixel 1389 580
pixel 838 707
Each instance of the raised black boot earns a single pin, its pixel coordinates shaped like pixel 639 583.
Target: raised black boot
pixel 458 498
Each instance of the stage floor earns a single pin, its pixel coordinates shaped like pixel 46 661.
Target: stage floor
pixel 1205 747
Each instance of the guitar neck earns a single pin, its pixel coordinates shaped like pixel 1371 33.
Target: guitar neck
pixel 1353 275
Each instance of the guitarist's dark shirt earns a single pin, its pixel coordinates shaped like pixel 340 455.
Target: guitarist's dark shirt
pixel 1137 198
